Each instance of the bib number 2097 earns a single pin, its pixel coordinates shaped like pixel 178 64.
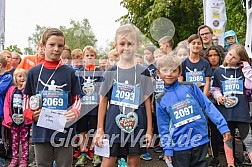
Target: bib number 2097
pixel 183 112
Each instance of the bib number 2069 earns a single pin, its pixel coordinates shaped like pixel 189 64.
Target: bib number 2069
pixel 53 102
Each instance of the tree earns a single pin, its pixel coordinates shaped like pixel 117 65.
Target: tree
pixel 78 35
pixel 186 16
pixel 14 48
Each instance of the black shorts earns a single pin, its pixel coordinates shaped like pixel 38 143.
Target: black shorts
pixel 118 150
pixel 87 123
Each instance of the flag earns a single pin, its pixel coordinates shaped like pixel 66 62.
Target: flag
pixel 248 43
pixel 215 17
pixel 2 23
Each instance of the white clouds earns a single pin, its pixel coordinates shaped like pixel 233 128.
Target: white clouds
pixel 23 16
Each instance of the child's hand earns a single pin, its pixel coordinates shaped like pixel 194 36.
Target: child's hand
pixel 148 137
pixel 220 100
pixel 9 123
pixel 226 136
pixel 168 157
pixel 98 137
pixel 36 115
pixel 70 116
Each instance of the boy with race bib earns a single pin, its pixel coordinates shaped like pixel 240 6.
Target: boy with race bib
pixel 51 89
pixel 182 124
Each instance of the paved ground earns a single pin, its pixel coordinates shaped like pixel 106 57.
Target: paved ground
pixel 155 162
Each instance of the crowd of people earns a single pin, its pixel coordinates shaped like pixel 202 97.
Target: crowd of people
pixel 171 99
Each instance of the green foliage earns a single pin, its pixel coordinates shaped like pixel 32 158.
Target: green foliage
pixel 14 48
pixel 186 16
pixel 78 35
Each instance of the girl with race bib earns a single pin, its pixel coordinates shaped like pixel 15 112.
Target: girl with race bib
pixel 127 122
pixel 196 69
pixel 230 81
pixel 14 119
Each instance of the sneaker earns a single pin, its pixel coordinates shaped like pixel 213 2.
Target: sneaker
pixel 76 154
pixel 146 156
pixel 246 160
pixel 96 160
pixel 214 163
pixel 82 161
pixel 90 154
pixel 3 162
pixel 158 149
pixel 33 164
pixel 161 157
pixel 122 163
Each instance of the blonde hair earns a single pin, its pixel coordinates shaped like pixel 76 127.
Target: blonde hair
pixel 128 31
pixel 169 61
pixel 16 72
pixel 77 54
pixel 113 52
pixel 91 49
pixel 3 60
pixel 6 52
pixel 240 51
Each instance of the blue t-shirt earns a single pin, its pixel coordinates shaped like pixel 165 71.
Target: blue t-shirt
pixel 66 81
pixel 137 76
pixel 196 72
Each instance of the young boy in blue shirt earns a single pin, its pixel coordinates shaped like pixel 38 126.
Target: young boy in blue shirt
pixel 181 121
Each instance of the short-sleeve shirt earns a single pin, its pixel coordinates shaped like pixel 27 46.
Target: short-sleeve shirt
pixel 146 89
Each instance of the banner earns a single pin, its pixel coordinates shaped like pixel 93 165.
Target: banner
pixel 215 17
pixel 248 43
pixel 2 23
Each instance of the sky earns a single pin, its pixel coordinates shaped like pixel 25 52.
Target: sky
pixel 22 16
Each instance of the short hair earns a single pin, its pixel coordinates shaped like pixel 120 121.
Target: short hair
pixel 16 72
pixel 51 32
pixel 205 26
pixel 193 37
pixel 159 51
pixel 91 49
pixel 150 48
pixel 138 56
pixel 167 39
pixel 66 53
pixel 169 61
pixel 77 54
pixel 104 57
pixel 6 52
pixel 3 60
pixel 114 53
pixel 16 54
pixel 128 30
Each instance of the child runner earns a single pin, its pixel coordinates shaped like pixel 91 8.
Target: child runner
pixel 230 81
pixel 86 125
pixel 66 56
pixel 113 58
pixel 14 119
pixel 196 69
pixel 181 119
pixel 127 88
pixel 55 88
pixel 215 56
pixel 230 38
pixel 5 83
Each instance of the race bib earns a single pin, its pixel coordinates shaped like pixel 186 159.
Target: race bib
pixel 183 113
pixel 17 100
pixel 232 86
pixel 125 95
pixel 159 86
pixel 57 100
pixel 90 99
pixel 196 77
